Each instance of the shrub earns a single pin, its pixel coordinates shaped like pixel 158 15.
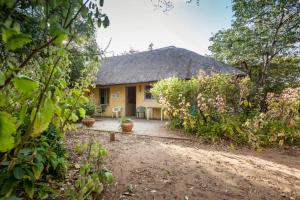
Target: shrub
pixel 35 164
pixel 90 108
pixel 280 124
pixel 87 109
pixel 219 107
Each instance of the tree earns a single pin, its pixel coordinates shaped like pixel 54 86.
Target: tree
pixel 39 40
pixel 262 31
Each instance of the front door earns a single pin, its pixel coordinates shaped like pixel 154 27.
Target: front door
pixel 130 101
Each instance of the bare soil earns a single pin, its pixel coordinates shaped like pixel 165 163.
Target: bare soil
pixel 158 168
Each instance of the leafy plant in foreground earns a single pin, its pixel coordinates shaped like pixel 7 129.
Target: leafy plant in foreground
pixel 92 172
pixel 37 162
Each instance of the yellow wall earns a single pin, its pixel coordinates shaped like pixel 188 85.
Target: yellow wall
pixel 121 100
pixel 141 101
pixel 113 101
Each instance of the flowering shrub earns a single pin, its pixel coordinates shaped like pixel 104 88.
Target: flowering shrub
pixel 218 106
pixel 281 123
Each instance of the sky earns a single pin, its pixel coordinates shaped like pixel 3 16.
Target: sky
pixel 134 24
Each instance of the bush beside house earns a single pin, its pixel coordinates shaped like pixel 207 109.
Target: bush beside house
pixel 223 107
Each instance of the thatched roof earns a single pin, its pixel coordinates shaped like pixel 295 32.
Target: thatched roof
pixel 154 65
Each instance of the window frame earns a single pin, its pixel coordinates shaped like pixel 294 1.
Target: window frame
pixel 107 96
pixel 147 92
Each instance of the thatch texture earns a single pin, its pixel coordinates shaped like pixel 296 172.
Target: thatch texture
pixel 158 64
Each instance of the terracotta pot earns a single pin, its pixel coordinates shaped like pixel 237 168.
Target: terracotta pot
pixel 127 127
pixel 89 122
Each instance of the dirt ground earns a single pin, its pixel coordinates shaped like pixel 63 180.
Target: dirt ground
pixel 157 168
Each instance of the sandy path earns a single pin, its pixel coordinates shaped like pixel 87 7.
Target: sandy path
pixel 149 168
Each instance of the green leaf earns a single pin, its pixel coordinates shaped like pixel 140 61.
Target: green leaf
pixel 8 186
pixel 19 40
pixel 25 84
pixel 2 78
pixel 16 27
pixel 59 32
pixel 37 170
pixel 43 195
pixel 108 177
pixel 60 39
pixel 26 151
pixel 29 189
pixel 43 117
pixel 18 173
pixel 7 33
pixel 73 117
pixel 7 129
pixel 81 112
pixel 84 11
pixel 102 152
pixel 22 113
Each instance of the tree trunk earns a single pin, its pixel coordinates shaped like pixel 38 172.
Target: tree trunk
pixel 261 87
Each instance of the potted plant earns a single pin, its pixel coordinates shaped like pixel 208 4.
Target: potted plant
pixel 88 121
pixel 126 124
pixel 89 108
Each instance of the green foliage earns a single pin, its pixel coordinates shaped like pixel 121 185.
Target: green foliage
pixel 2 78
pixel 25 84
pixel 219 107
pixel 7 130
pixel 283 73
pixel 43 117
pixel 37 99
pixel 92 172
pixel 12 36
pixel 125 119
pixel 90 108
pixel 35 163
pixel 262 35
pixel 280 124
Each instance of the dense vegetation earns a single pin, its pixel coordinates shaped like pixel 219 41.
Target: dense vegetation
pixel 48 60
pixel 222 107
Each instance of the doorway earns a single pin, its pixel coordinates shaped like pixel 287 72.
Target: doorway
pixel 130 100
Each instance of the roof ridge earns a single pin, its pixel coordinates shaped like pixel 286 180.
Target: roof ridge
pixel 135 53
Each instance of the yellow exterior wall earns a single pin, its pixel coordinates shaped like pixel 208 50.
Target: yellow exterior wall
pixel 141 101
pixel 121 100
pixel 113 101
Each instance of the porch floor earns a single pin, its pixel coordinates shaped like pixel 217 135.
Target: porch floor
pixel 153 128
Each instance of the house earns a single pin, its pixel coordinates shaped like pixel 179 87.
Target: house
pixel 125 81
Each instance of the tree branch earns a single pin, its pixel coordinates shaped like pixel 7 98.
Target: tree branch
pixel 22 65
pixel 30 56
pixel 42 94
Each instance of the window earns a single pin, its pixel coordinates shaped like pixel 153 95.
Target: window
pixel 104 96
pixel 148 94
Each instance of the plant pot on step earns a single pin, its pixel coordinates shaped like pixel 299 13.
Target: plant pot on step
pixel 126 124
pixel 127 127
pixel 89 122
